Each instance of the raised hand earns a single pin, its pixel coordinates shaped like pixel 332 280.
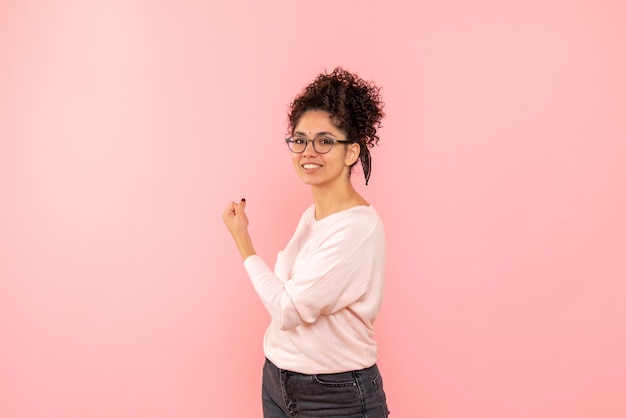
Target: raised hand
pixel 237 223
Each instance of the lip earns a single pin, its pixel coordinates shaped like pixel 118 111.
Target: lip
pixel 310 167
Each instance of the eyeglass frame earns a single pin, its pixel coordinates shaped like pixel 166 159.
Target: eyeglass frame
pixel 290 141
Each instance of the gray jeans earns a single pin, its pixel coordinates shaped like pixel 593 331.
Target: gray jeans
pixel 355 394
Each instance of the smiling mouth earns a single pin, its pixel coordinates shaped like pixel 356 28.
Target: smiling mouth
pixel 310 166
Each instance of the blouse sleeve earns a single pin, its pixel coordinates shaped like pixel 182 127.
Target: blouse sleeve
pixel 335 274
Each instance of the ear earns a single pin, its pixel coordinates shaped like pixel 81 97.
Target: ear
pixel 352 155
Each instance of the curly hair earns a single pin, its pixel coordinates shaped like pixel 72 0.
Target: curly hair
pixel 353 104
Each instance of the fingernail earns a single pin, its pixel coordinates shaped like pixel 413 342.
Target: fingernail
pixel 243 199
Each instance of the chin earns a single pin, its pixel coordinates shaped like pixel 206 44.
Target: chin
pixel 309 181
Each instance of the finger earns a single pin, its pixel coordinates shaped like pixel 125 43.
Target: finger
pixel 230 209
pixel 242 206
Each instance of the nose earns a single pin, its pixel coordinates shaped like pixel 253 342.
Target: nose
pixel 309 150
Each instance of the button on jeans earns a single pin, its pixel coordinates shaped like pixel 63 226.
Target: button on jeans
pixel 355 394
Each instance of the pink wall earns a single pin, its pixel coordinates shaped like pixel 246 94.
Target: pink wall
pixel 126 126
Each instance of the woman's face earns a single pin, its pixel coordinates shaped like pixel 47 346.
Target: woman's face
pixel 317 169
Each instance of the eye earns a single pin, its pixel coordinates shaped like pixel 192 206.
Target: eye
pixel 325 141
pixel 298 141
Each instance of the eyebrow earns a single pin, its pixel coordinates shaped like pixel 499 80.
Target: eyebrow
pixel 316 135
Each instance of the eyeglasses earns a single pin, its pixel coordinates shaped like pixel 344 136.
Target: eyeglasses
pixel 321 144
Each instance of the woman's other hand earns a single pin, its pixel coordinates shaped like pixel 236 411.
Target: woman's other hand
pixel 236 221
pixel 235 217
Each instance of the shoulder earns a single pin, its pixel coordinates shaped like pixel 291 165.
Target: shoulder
pixel 359 216
pixel 356 222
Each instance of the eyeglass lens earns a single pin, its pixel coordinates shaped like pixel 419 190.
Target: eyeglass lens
pixel 321 145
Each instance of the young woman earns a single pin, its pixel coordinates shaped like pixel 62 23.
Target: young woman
pixel 327 285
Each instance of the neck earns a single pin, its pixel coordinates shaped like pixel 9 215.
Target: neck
pixel 328 200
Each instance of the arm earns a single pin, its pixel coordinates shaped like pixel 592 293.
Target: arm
pixel 270 288
pixel 333 276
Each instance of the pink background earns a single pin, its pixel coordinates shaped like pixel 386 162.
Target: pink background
pixel 127 126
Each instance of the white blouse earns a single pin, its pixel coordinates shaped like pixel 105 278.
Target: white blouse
pixel 325 292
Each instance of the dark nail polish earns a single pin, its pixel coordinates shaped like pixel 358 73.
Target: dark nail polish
pixel 243 199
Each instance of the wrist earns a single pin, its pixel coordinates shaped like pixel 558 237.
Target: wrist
pixel 244 245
